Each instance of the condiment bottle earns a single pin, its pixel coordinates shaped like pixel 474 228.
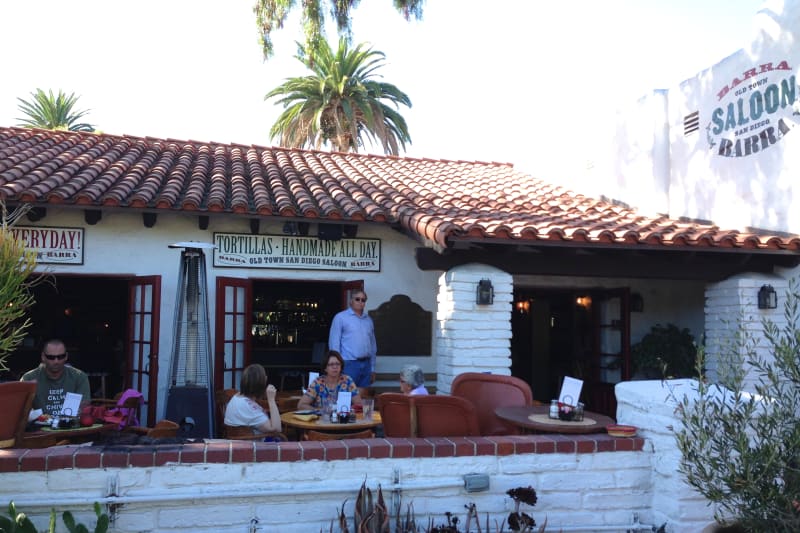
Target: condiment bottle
pixel 553 409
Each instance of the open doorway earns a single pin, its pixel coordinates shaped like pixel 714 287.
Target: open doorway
pixel 89 315
pixel 280 324
pixel 582 333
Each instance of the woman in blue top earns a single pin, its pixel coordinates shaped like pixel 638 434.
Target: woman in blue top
pixel 330 382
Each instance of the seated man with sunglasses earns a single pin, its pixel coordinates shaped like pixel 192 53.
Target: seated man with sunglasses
pixel 55 378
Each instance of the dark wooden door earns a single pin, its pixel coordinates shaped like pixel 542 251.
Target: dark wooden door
pixel 611 357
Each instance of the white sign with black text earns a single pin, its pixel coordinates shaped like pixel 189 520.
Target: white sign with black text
pixel 288 251
pixel 55 246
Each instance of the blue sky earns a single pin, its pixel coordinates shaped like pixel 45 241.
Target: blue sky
pixel 529 82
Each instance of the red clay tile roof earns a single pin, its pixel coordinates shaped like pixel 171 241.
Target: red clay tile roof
pixel 438 201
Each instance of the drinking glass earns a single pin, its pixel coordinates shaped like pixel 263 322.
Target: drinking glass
pixel 367 406
pixel 578 412
pixel 328 407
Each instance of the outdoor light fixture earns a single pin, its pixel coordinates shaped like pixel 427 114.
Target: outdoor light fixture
pixel 637 303
pixel 767 297
pixel 523 306
pixel 485 293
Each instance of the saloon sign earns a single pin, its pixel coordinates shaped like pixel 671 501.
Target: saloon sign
pixel 305 253
pixel 54 246
pixel 756 109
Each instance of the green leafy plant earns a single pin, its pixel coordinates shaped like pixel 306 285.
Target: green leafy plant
pixel 100 527
pixel 742 450
pixel 18 522
pixel 16 279
pixel 665 352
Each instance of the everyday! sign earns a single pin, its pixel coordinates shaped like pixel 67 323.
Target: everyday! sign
pixel 756 109
pixel 286 251
pixel 59 246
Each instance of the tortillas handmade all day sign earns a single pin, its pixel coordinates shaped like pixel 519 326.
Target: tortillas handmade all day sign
pixel 288 251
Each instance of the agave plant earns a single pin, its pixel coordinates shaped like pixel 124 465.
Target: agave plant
pixel 368 516
pixel 373 517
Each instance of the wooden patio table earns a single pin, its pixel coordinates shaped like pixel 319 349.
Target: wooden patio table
pixel 46 436
pixel 534 418
pixel 326 426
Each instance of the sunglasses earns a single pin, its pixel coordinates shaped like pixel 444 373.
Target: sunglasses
pixel 55 356
pixel 360 299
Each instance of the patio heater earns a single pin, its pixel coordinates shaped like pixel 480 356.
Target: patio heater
pixel 189 400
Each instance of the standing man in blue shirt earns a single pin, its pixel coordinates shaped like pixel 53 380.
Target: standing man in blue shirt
pixel 353 336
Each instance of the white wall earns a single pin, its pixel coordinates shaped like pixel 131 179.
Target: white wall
pixel 756 190
pixel 586 489
pixel 650 406
pixel 472 337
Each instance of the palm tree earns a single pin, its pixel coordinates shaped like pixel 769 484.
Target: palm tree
pixel 52 112
pixel 341 103
pixel 271 15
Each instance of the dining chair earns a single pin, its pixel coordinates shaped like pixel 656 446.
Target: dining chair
pixel 398 416
pixel 246 433
pixel 445 416
pixel 487 392
pixel 221 399
pixel 321 435
pixel 16 397
pixel 164 429
pixel 287 403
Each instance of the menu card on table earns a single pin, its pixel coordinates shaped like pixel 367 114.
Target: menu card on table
pixel 570 391
pixel 72 404
pixel 343 401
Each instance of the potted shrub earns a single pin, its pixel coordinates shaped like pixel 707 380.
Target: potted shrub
pixel 665 352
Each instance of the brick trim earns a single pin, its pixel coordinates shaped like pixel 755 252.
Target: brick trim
pixel 146 456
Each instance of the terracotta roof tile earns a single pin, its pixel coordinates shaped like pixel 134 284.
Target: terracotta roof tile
pixel 437 200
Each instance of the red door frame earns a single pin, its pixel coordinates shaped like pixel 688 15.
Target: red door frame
pixel 240 315
pixel 144 317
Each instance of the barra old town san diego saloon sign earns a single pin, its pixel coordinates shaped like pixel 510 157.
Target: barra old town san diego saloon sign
pixel 287 251
pixel 755 110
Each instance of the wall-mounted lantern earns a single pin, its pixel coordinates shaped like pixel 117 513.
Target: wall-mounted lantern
pixel 485 292
pixel 767 297
pixel 637 303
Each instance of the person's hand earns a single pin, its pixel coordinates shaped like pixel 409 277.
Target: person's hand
pixel 372 378
pixel 271 393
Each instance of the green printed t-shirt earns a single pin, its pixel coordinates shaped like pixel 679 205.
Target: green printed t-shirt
pixel 50 393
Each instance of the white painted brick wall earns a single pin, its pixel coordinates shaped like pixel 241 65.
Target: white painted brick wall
pixel 574 489
pixel 732 304
pixel 650 406
pixel 471 337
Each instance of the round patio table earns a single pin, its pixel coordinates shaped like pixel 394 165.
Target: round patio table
pixel 326 426
pixel 534 418
pixel 46 436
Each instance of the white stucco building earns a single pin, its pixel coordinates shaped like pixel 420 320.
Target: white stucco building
pixel 696 217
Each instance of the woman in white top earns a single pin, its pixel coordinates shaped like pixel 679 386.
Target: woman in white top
pixel 412 381
pixel 244 410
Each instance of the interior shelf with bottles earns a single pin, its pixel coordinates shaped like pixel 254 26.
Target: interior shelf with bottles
pixel 289 323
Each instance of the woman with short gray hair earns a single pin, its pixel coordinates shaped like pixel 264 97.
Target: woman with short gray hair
pixel 412 380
